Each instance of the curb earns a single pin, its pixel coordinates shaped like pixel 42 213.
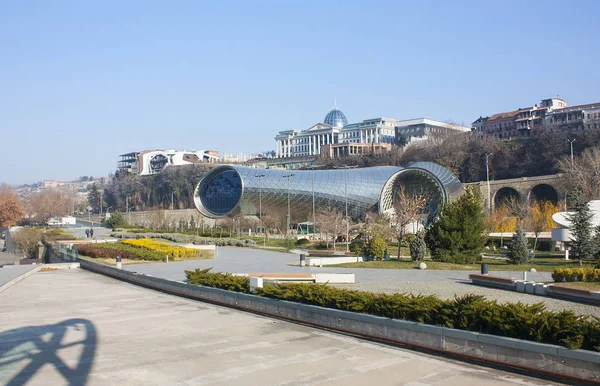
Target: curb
pixel 17 279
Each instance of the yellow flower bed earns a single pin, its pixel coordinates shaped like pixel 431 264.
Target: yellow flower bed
pixel 167 249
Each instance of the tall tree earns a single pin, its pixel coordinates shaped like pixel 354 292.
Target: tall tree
pixel 10 207
pixel 407 210
pixel 581 230
pixel 458 235
pixel 94 198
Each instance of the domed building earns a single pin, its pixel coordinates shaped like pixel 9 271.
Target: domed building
pixel 335 118
pixel 336 138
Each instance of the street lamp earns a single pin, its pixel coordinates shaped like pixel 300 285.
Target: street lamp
pixel 487 171
pixel 571 143
pixel 259 176
pixel 346 167
pixel 127 208
pixel 288 176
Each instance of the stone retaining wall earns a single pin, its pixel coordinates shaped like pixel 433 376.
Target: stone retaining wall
pixel 541 359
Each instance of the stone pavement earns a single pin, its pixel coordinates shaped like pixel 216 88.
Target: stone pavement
pixel 246 260
pixel 76 327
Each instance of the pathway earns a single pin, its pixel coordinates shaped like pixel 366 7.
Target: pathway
pixel 90 329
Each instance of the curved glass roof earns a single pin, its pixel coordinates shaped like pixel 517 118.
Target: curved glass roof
pixel 361 189
pixel 336 118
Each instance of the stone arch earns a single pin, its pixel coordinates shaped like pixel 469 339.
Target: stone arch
pixel 504 194
pixel 543 192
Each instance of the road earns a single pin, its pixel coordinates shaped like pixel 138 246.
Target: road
pixel 84 328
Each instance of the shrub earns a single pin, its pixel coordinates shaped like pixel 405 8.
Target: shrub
pixel 357 246
pixel 469 312
pixel 302 242
pixel 377 248
pixel 115 220
pixel 224 281
pixel 576 274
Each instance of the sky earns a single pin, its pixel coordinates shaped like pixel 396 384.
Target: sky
pixel 84 81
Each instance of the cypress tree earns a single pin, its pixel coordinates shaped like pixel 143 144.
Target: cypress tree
pixel 418 247
pixel 581 231
pixel 519 249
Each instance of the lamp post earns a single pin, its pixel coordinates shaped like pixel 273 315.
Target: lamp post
pixel 487 172
pixel 571 143
pixel 288 176
pixel 127 208
pixel 100 204
pixel 259 176
pixel 346 167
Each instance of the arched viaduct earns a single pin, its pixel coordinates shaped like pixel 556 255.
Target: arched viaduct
pixel 525 189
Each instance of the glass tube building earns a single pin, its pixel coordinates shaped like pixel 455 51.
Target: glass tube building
pixel 227 188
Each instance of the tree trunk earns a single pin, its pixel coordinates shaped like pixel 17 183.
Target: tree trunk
pixel 399 248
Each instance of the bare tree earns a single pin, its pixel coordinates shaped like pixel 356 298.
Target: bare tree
pixel 331 222
pixel 377 225
pixel 583 173
pixel 48 203
pixel 407 210
pixel 273 218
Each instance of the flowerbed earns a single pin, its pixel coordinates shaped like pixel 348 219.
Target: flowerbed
pixel 165 249
pixel 187 239
pixel 576 274
pixel 469 312
pixel 111 251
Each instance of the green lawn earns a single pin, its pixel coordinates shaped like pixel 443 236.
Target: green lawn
pixel 590 286
pixel 542 264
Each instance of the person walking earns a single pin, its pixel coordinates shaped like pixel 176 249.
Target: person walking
pixel 87 233
pixel 91 232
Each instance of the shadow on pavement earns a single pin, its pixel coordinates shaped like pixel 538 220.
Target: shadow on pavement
pixel 68 346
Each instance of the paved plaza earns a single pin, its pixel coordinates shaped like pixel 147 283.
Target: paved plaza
pixel 89 329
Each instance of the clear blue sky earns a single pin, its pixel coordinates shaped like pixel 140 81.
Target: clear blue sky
pixel 82 82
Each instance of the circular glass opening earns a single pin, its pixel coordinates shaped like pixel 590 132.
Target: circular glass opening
pixel 221 193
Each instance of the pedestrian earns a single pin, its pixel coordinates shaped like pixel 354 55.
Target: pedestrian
pixel 92 232
pixel 87 233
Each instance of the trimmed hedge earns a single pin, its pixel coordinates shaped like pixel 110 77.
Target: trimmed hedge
pixel 469 312
pixel 576 274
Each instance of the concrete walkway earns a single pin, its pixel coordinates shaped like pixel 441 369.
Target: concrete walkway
pixel 10 272
pixel 76 327
pixel 246 260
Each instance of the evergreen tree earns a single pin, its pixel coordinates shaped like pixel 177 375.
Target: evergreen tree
pixel 581 230
pixel 458 234
pixel 519 249
pixel 192 223
pixel 418 247
pixel 94 198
